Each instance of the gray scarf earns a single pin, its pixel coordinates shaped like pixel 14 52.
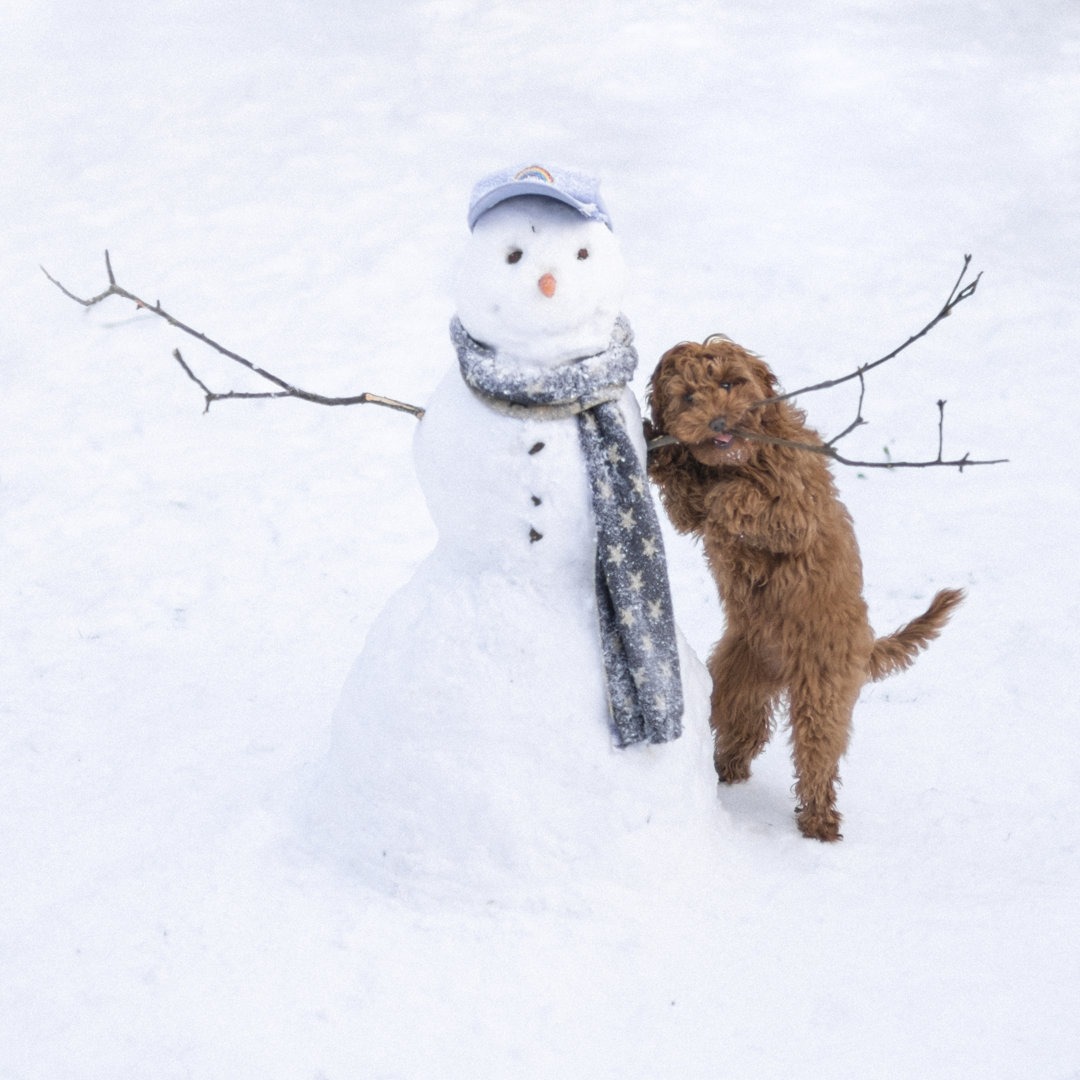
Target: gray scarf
pixel 637 626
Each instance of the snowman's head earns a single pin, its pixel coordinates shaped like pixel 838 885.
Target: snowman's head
pixel 539 282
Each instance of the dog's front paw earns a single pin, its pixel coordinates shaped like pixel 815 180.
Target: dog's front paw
pixel 736 507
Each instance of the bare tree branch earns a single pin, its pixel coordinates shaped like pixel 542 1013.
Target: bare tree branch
pixel 825 450
pixel 858 421
pixel 286 389
pixel 957 295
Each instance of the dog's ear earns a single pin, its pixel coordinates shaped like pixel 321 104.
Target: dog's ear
pixel 763 375
pixel 779 418
pixel 657 389
pixel 654 401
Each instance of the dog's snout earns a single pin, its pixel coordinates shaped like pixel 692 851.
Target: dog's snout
pixel 719 424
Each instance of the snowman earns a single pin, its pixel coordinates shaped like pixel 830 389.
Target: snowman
pixel 525 704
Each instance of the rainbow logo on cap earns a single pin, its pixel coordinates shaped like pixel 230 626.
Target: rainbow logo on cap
pixel 535 172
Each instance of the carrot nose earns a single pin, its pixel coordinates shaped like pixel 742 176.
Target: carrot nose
pixel 547 285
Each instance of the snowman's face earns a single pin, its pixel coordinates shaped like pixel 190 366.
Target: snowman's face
pixel 539 282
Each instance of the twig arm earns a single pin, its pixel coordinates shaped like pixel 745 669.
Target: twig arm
pixel 286 389
pixel 858 421
pixel 956 296
pixel 827 450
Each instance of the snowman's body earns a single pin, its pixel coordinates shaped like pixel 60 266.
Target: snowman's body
pixel 474 734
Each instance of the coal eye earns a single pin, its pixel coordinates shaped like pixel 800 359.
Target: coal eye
pixel 583 253
pixel 514 256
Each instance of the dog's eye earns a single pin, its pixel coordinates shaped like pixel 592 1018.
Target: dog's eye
pixel 514 256
pixel 688 398
pixel 726 385
pixel 583 253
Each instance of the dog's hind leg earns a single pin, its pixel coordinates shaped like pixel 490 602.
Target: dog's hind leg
pixel 744 696
pixel 820 724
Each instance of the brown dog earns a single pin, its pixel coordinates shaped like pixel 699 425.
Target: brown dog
pixel 781 547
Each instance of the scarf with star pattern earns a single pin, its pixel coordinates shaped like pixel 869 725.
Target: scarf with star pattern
pixel 633 598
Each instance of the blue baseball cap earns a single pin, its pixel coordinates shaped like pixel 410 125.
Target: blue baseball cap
pixel 566 185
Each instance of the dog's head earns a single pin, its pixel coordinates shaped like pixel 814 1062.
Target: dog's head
pixel 705 395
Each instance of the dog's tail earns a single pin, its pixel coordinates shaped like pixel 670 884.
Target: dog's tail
pixel 898 651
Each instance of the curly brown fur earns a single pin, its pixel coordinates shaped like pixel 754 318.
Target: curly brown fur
pixel 782 549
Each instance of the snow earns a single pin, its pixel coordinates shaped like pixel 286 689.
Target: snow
pixel 183 595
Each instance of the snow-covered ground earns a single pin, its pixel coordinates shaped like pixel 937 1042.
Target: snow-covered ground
pixel 182 595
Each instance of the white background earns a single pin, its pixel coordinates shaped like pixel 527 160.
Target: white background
pixel 181 595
